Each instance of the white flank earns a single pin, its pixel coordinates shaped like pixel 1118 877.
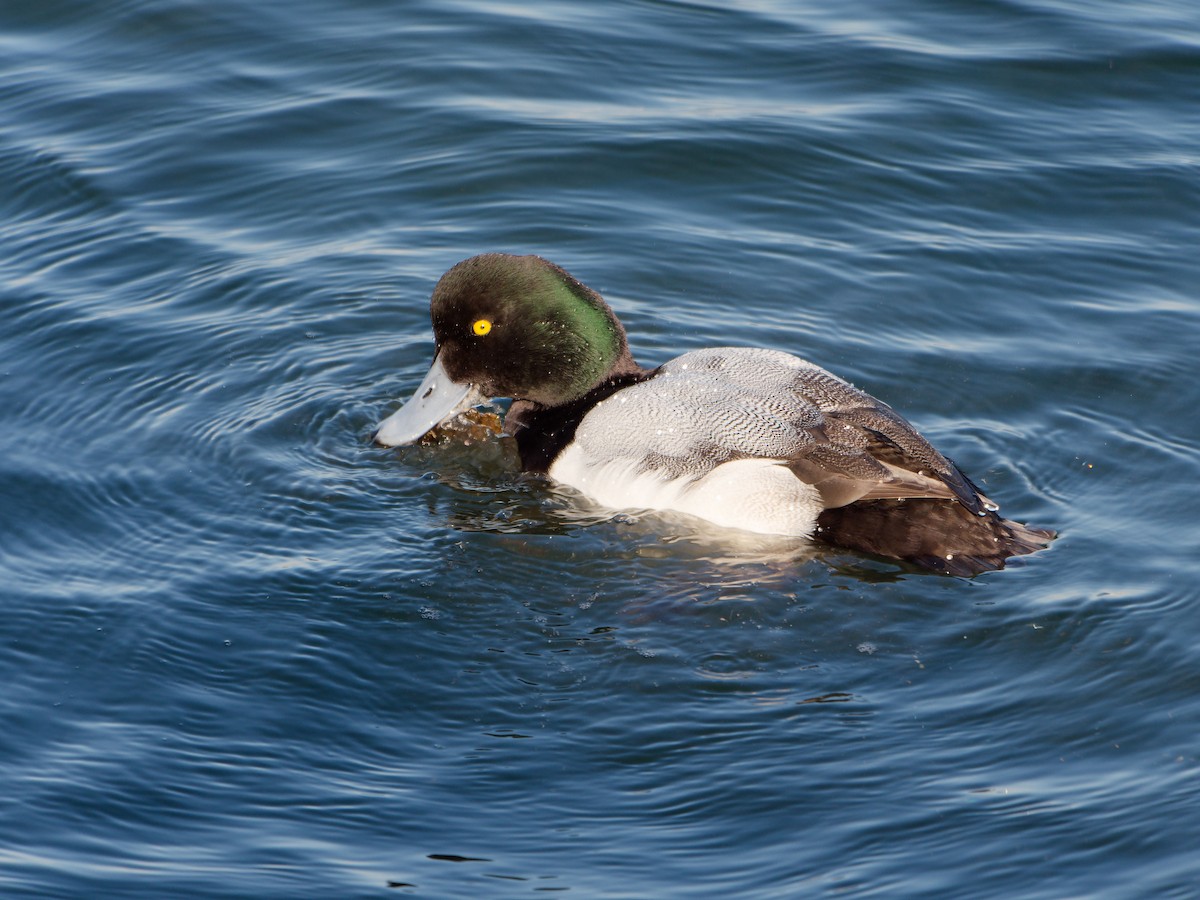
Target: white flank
pixel 759 495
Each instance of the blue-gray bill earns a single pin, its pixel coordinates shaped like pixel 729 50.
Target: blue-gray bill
pixel 436 400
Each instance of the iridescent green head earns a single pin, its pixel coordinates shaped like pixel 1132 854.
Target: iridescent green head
pixel 521 327
pixel 511 326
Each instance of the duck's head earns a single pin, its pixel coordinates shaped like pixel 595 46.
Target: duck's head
pixel 510 326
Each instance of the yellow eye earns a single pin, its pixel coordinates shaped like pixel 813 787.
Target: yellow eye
pixel 481 327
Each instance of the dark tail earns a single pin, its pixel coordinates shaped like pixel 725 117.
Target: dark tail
pixel 940 535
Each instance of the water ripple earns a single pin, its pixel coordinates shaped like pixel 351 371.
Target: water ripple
pixel 248 652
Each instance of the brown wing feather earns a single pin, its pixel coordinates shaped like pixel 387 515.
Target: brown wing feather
pixel 864 450
pixel 888 491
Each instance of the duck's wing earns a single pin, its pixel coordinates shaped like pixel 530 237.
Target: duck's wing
pixel 832 435
pixel 875 454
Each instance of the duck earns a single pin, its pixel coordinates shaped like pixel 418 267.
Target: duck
pixel 747 438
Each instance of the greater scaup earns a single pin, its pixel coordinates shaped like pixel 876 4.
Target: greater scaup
pixel 746 438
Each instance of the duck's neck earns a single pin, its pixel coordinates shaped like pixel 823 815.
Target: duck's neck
pixel 542 432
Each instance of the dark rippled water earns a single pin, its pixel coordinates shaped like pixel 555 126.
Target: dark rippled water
pixel 245 653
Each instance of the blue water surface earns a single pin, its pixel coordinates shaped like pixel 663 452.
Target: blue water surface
pixel 248 654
